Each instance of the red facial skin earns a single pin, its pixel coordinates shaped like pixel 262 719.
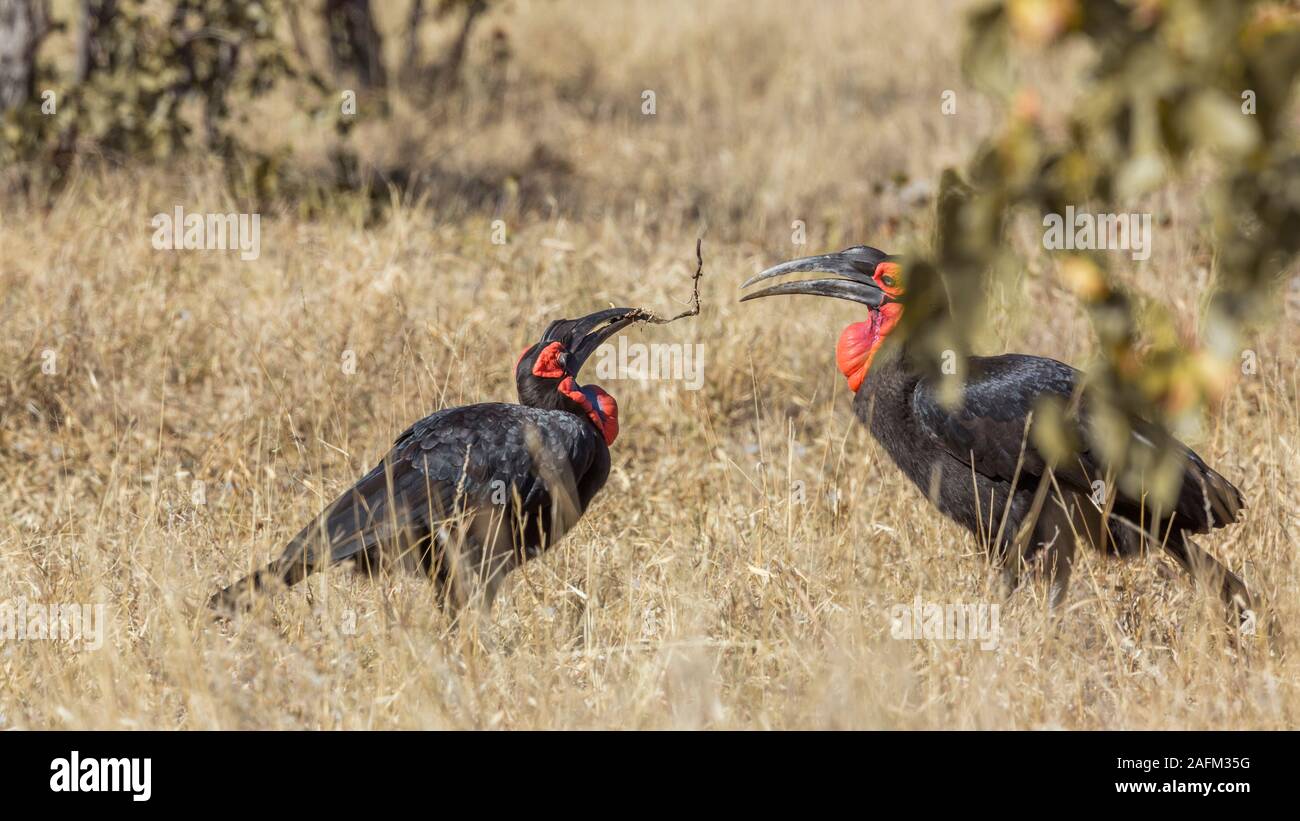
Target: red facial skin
pixel 547 365
pixel 859 342
pixel 601 408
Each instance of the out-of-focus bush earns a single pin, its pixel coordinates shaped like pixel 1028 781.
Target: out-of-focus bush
pixel 1170 80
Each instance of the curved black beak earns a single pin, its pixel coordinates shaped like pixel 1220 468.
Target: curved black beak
pixel 853 266
pixel 585 335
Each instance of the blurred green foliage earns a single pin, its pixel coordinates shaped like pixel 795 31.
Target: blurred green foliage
pixel 157 77
pixel 138 68
pixel 1170 79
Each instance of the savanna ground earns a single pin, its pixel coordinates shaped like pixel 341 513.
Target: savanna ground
pixel 700 590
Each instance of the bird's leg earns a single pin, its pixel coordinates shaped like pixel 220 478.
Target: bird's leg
pixel 1057 539
pixel 1044 544
pixel 1050 558
pixel 368 563
pixel 1010 555
pixel 451 554
pixel 1023 540
pixel 469 598
pixel 475 560
pixel 1061 567
pixel 1236 597
pixel 1056 563
pixel 1011 576
pixel 485 596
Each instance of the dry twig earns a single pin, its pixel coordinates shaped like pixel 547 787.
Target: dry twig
pixel 654 319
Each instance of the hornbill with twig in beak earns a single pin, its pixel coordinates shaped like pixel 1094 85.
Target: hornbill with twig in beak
pixel 979 461
pixel 469 493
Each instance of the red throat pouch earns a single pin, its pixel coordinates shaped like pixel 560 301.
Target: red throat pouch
pixel 853 352
pixel 860 341
pixel 601 408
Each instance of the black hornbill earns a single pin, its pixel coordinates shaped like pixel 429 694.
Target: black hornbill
pixel 979 463
pixel 469 493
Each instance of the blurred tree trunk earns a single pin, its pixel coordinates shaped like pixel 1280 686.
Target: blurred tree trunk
pixel 355 43
pixel 300 43
pixel 93 53
pixel 449 72
pixel 22 25
pixel 445 74
pixel 413 57
pixel 209 63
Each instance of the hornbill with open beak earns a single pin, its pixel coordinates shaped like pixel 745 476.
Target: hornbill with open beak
pixel 469 493
pixel 978 462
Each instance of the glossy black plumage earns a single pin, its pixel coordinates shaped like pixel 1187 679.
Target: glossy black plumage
pixel 980 466
pixel 979 461
pixel 1000 394
pixel 468 493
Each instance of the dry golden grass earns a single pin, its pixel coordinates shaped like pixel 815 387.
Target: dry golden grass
pixel 694 593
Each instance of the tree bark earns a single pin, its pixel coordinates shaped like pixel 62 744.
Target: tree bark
pixel 449 71
pixel 355 43
pixel 413 56
pixel 92 55
pixel 22 25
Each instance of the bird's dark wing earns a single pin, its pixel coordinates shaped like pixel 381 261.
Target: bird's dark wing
pixel 990 424
pixel 456 460
pixel 993 423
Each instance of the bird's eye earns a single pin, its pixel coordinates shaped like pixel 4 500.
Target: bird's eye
pixel 887 281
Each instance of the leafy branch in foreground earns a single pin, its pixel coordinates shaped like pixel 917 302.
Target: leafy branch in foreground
pixel 1170 81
